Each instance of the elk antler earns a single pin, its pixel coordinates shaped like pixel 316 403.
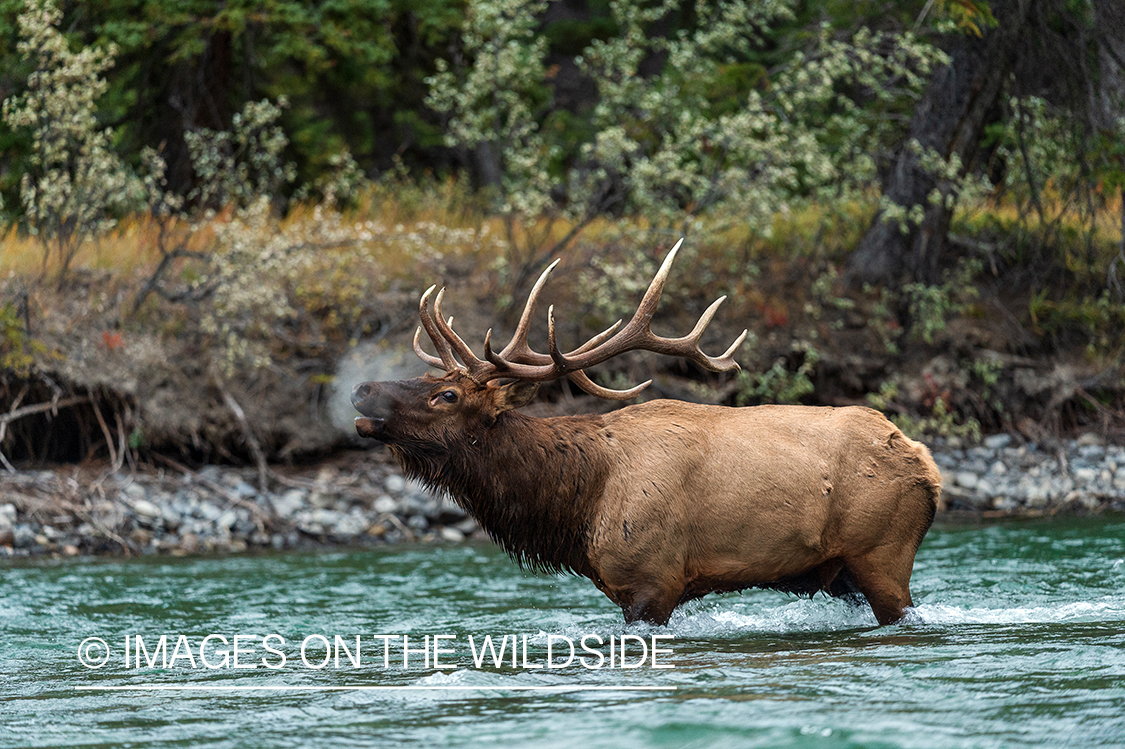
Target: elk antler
pixel 518 361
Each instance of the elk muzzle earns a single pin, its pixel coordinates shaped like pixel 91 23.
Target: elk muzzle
pixel 375 401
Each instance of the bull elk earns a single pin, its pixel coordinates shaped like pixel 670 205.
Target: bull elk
pixel 661 502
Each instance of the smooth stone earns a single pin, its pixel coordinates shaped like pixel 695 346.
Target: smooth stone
pixel 967 479
pixel 449 533
pixel 997 441
pixel 146 508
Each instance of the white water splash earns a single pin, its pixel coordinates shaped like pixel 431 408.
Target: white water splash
pixel 1081 611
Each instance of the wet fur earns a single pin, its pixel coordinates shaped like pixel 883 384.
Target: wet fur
pixel 539 508
pixel 664 502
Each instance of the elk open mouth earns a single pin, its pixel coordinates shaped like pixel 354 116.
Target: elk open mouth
pixel 369 427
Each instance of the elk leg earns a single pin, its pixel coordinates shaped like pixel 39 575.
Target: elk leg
pixel 651 606
pixel 879 576
pixel 842 584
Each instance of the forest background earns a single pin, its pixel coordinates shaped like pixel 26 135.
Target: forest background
pixel 220 216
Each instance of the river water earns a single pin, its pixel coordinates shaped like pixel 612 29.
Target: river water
pixel 1018 640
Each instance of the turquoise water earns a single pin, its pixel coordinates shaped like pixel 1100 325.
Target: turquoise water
pixel 1018 640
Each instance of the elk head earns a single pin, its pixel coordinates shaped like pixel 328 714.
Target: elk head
pixel 467 399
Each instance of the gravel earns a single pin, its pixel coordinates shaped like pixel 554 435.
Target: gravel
pixel 1009 477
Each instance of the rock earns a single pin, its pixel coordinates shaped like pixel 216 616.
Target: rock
pixel 395 484
pixel 449 533
pixel 140 535
pixel 967 479
pixel 322 499
pixel 145 508
pixel 289 502
pixel 324 517
pixel 384 504
pixel 1087 439
pixel 1091 452
pixel 1038 496
pixel 449 512
pixel 244 490
pixel 1085 475
pixel 350 525
pixel 211 473
pixel 1005 504
pixel 208 511
pixel 997 441
pixel 7 515
pixel 172 519
pixel 23 535
pixel 998 468
pixel 1082 499
pixel 226 520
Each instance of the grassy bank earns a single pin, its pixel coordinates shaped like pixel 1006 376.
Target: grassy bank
pixel 254 327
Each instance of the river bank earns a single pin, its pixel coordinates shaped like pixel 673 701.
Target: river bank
pixel 361 498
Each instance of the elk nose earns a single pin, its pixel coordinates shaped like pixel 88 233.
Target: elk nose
pixel 361 392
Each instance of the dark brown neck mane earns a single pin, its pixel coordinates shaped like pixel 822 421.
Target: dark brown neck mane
pixel 532 484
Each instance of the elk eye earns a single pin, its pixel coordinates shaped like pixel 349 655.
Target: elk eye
pixel 449 396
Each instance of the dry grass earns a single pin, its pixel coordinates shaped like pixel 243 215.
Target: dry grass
pixel 390 224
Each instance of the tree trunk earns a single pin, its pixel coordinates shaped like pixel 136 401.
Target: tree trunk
pixel 950 120
pixel 1109 23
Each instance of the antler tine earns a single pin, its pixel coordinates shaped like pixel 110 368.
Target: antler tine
pixel 474 365
pixel 502 365
pixel 517 347
pixel 713 363
pixel 637 334
pixel 597 340
pixel 447 362
pixel 651 298
pixel 582 380
pixel 433 361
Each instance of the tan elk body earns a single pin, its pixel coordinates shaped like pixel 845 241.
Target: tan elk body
pixel 662 502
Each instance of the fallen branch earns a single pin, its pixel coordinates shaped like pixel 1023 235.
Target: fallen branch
pixel 4 429
pixel 251 439
pixel 113 456
pixel 53 405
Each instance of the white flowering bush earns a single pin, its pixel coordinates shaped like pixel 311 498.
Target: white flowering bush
pixel 77 185
pixel 667 147
pixel 498 99
pixel 241 165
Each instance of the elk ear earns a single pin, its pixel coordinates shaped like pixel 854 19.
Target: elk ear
pixel 515 395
